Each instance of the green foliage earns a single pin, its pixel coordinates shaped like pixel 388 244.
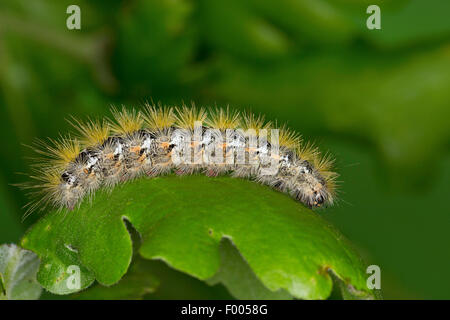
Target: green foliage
pixel 138 282
pixel 377 99
pixel 238 277
pixel 182 221
pixel 18 269
pixel 10 228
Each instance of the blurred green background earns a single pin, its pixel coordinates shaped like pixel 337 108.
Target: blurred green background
pixel 379 100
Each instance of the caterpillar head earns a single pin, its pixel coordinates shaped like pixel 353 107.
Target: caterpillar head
pixel 312 187
pixel 80 177
pixel 70 190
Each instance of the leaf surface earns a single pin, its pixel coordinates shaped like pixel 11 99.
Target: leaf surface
pixel 18 269
pixel 182 221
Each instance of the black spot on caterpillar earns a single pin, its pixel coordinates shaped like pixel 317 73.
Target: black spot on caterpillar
pixel 159 140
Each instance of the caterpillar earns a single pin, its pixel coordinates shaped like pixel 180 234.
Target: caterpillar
pixel 159 139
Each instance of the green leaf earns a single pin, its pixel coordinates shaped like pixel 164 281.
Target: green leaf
pixel 138 282
pixel 182 221
pixel 18 269
pixel 238 277
pixel 176 285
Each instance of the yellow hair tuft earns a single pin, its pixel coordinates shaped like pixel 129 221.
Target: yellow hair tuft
pixel 57 153
pixel 91 132
pixel 186 117
pixel 308 152
pixel 324 163
pixel 223 119
pixel 156 118
pixel 126 121
pixel 331 181
pixel 43 190
pixel 289 138
pixel 257 122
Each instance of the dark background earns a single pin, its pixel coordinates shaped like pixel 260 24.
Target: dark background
pixel 378 100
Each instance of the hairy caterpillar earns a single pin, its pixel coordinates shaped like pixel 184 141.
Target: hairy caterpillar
pixel 154 141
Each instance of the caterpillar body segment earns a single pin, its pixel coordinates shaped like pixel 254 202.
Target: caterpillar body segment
pixel 160 140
